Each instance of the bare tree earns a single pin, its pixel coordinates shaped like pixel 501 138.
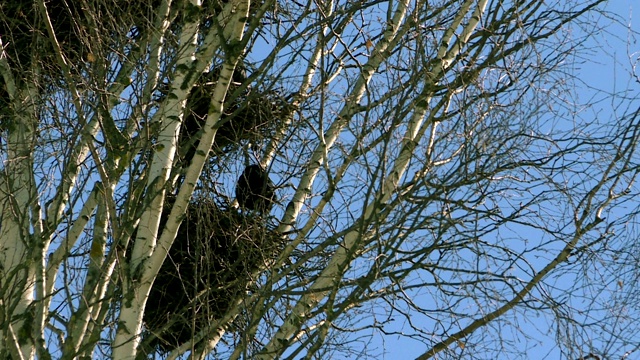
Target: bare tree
pixel 410 170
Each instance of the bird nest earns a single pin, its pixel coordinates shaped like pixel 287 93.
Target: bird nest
pixel 213 261
pixel 26 37
pixel 249 115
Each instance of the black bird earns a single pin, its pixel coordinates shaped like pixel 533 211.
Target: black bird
pixel 254 189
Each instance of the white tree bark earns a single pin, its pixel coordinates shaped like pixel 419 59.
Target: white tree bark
pixel 148 253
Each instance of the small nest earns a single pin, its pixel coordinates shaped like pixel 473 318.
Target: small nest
pixel 249 116
pixel 209 265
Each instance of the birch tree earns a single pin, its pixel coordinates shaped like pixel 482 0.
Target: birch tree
pixel 435 185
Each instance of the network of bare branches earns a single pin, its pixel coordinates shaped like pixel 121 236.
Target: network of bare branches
pixel 285 179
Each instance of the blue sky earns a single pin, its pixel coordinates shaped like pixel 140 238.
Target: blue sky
pixel 602 67
pixel 611 55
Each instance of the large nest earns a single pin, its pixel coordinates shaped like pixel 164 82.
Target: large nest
pixel 249 116
pixel 76 24
pixel 211 263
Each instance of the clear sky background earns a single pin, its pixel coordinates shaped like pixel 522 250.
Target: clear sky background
pixel 613 52
pixel 604 66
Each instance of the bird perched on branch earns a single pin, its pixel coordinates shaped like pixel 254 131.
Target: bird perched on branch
pixel 254 189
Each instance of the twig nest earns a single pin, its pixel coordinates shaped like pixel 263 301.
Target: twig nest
pixel 210 264
pixel 24 30
pixel 249 115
